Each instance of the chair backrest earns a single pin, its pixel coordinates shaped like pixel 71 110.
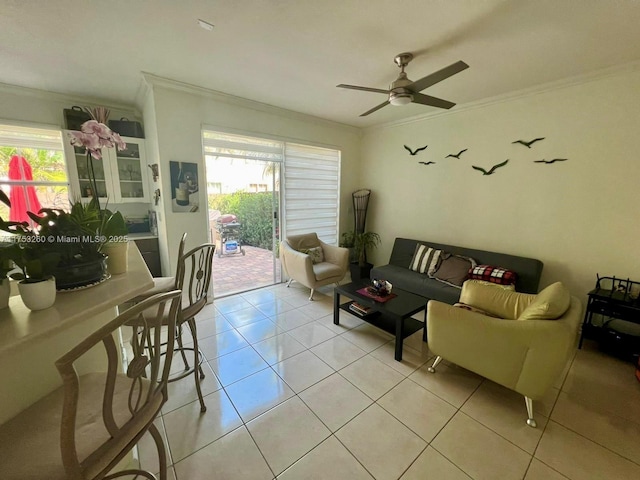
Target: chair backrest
pixel 130 402
pixel 196 267
pixel 305 240
pixel 181 247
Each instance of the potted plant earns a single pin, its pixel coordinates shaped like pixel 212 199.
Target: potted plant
pixel 359 243
pixel 37 285
pixel 5 268
pixel 113 230
pixel 77 241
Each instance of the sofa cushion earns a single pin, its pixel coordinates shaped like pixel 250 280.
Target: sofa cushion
pixel 316 254
pixel 418 283
pixel 550 304
pixel 425 259
pixel 454 269
pixel 489 273
pixel 325 270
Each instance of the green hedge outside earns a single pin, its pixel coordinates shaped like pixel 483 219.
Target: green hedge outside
pixel 254 212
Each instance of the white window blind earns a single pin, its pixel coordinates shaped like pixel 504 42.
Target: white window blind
pixel 311 191
pixel 28 137
pixel 241 146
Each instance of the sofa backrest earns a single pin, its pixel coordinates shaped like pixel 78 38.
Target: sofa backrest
pixel 529 270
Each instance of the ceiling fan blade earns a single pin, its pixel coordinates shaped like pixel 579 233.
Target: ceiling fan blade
pixel 384 104
pixel 423 99
pixel 438 76
pixel 364 89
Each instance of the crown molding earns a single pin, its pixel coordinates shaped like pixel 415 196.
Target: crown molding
pixel 153 80
pixel 65 98
pixel 568 82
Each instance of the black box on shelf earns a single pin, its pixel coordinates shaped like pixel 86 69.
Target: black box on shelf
pixel 127 128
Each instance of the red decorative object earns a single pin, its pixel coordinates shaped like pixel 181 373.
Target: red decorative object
pixel 22 198
pixel 377 298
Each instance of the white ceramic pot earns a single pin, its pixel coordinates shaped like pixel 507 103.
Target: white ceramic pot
pixel 118 257
pixel 38 295
pixel 5 292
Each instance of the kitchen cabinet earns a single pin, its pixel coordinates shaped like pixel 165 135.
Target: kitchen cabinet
pixel 150 251
pixel 121 176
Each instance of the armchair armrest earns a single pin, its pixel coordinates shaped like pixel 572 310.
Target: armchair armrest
pixel 336 255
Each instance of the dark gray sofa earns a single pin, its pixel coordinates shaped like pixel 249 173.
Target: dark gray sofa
pixel 398 273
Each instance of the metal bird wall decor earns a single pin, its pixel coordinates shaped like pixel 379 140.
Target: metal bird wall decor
pixel 528 144
pixel 551 161
pixel 427 163
pixel 492 169
pixel 457 155
pixel 413 152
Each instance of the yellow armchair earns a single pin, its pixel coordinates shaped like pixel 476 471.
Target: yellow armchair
pixel 299 265
pixel 522 341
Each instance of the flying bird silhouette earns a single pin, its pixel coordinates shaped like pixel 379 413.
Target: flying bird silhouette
pixel 528 144
pixel 551 161
pixel 427 163
pixel 413 152
pixel 493 169
pixel 457 155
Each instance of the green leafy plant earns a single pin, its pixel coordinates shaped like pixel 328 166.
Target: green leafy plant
pixel 360 243
pixel 5 261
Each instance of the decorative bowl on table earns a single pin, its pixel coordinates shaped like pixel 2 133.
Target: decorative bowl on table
pixel 379 288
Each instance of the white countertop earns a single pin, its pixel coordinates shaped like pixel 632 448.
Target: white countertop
pixel 19 325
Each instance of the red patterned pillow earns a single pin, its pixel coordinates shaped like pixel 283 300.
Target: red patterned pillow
pixel 491 274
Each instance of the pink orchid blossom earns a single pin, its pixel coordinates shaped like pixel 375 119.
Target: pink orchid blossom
pixel 94 136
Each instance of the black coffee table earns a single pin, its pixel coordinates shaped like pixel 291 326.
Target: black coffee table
pixel 393 316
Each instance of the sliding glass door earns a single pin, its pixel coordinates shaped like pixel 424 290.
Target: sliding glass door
pixel 243 185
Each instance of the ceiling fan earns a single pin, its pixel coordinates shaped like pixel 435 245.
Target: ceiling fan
pixel 403 91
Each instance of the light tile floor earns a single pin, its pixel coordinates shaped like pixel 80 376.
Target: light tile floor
pixel 292 396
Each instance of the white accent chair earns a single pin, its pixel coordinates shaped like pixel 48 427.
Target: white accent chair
pixel 300 267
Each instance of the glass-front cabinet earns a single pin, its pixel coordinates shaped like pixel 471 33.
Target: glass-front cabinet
pixel 121 176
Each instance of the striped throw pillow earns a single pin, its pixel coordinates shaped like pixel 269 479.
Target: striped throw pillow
pixel 425 259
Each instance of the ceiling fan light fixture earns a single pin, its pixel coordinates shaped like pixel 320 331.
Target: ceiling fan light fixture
pixel 399 99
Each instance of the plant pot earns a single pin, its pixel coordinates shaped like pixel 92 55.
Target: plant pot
pixel 82 273
pixel 5 292
pixel 117 257
pixel 360 273
pixel 38 295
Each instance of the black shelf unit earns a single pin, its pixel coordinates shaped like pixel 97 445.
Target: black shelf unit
pixel 615 300
pixel 386 323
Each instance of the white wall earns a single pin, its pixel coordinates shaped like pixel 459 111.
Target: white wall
pixel 178 120
pixel 579 217
pixel 37 106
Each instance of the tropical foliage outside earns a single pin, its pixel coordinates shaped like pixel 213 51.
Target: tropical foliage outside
pixel 47 166
pixel 253 210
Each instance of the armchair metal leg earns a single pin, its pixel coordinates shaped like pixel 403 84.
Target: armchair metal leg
pixel 530 421
pixel 311 295
pixel 289 282
pixel 432 368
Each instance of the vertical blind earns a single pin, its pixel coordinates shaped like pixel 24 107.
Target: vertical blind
pixel 311 191
pixel 310 179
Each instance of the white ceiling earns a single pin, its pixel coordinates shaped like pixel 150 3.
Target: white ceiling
pixel 293 53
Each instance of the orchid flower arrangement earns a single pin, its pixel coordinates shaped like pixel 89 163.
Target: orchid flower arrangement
pixel 95 136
